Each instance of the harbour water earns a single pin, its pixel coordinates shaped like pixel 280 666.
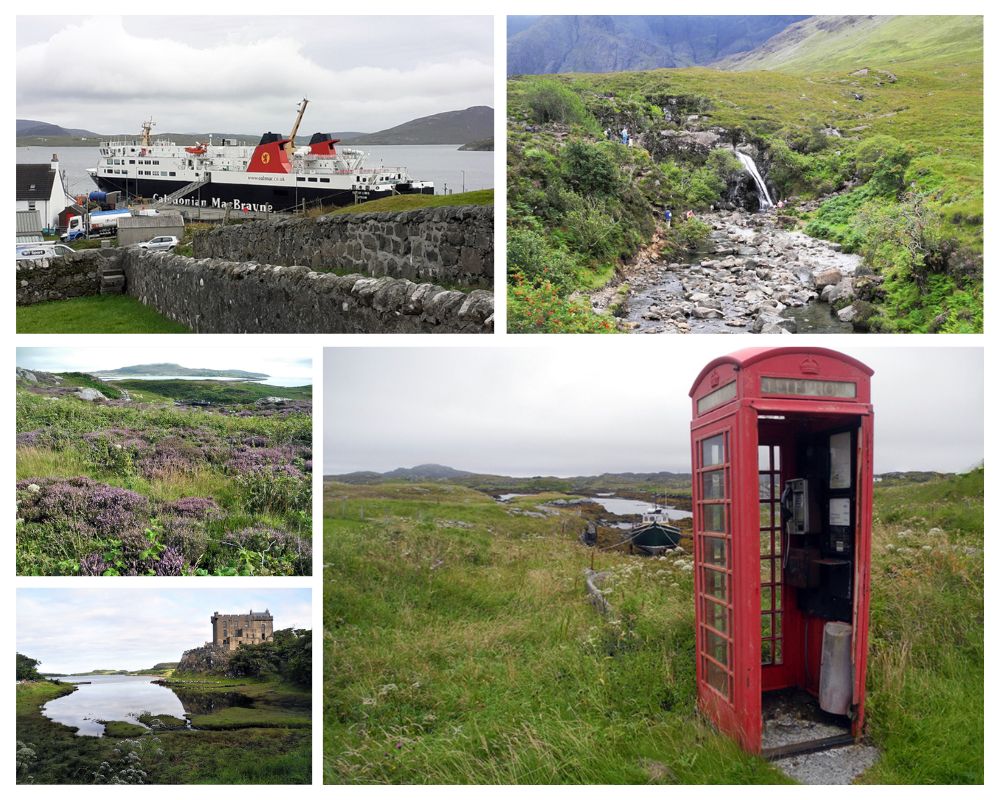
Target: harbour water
pixel 444 164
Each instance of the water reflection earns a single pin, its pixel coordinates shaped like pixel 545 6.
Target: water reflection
pixel 120 698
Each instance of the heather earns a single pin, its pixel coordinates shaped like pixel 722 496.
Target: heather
pixel 154 486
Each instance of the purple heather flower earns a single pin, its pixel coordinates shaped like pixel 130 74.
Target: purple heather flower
pixel 93 565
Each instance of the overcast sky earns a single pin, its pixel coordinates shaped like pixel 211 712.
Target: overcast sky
pixel 606 407
pixel 282 363
pixel 83 629
pixel 245 73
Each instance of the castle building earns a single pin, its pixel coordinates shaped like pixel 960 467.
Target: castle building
pixel 229 631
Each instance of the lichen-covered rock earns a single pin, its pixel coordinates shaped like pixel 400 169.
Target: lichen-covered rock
pixel 209 658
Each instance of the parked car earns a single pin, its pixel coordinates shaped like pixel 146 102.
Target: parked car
pixel 160 243
pixel 36 251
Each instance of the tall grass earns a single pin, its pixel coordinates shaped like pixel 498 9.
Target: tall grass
pixel 460 647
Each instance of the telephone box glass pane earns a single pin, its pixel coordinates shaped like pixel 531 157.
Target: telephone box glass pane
pixel 716 615
pixel 716 647
pixel 715 583
pixel 716 398
pixel 713 451
pixel 713 484
pixel 714 550
pixel 715 518
pixel 716 677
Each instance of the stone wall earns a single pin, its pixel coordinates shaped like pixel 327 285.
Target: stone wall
pixel 215 296
pixel 61 278
pixel 451 245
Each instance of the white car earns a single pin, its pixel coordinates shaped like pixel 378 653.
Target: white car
pixel 160 243
pixel 39 250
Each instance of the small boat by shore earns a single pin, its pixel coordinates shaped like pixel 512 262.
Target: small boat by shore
pixel 653 536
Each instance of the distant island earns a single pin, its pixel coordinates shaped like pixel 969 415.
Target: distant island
pixel 176 370
pixel 465 127
pixel 480 145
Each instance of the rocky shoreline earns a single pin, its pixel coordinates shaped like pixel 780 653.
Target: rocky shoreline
pixel 755 277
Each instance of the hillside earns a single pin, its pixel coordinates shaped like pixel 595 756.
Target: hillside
pixel 828 44
pixel 875 146
pixel 558 44
pixel 450 127
pixel 472 654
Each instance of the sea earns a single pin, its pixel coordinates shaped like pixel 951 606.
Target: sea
pixel 451 169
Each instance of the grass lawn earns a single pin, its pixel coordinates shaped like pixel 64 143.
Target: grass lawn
pixel 97 314
pixel 409 202
pixel 460 646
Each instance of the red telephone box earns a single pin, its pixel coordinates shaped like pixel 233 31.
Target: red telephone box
pixel 781 464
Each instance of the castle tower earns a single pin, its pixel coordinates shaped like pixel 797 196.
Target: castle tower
pixel 231 630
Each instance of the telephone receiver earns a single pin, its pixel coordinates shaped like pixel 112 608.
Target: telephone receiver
pixel 786 504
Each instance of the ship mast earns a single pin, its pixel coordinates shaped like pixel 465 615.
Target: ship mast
pixel 290 144
pixel 147 129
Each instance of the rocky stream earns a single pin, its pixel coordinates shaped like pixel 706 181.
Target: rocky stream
pixel 753 277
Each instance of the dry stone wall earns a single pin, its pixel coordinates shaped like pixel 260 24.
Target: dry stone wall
pixel 77 275
pixel 451 245
pixel 216 296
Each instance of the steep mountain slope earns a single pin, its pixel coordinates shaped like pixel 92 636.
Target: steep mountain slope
pixel 828 43
pixel 617 43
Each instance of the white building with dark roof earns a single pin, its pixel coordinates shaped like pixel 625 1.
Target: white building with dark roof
pixel 40 188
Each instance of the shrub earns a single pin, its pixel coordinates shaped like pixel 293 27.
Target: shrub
pixel 541 309
pixel 530 256
pixel 550 101
pixel 590 168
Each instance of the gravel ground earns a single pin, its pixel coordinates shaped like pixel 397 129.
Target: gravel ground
pixel 838 766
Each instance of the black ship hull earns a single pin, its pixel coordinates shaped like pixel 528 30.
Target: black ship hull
pixel 248 197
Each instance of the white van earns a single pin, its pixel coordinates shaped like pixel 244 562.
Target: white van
pixel 35 251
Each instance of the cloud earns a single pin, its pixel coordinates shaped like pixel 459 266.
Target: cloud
pixel 606 408
pixel 251 80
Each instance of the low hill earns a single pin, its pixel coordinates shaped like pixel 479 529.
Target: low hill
pixel 645 484
pixel 176 370
pixel 34 127
pixel 451 127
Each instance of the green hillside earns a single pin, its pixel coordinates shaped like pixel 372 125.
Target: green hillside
pixel 883 122
pixel 828 44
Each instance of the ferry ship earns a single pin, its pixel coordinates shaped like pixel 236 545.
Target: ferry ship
pixel 274 175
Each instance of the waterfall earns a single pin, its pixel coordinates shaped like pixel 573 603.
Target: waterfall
pixel 749 166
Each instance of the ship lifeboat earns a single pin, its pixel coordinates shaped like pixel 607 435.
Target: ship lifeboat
pixel 198 150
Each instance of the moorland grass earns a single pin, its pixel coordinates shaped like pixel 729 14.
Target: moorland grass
pixel 98 314
pixel 460 647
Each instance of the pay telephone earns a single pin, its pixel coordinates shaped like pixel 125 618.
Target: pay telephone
pixel 817 520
